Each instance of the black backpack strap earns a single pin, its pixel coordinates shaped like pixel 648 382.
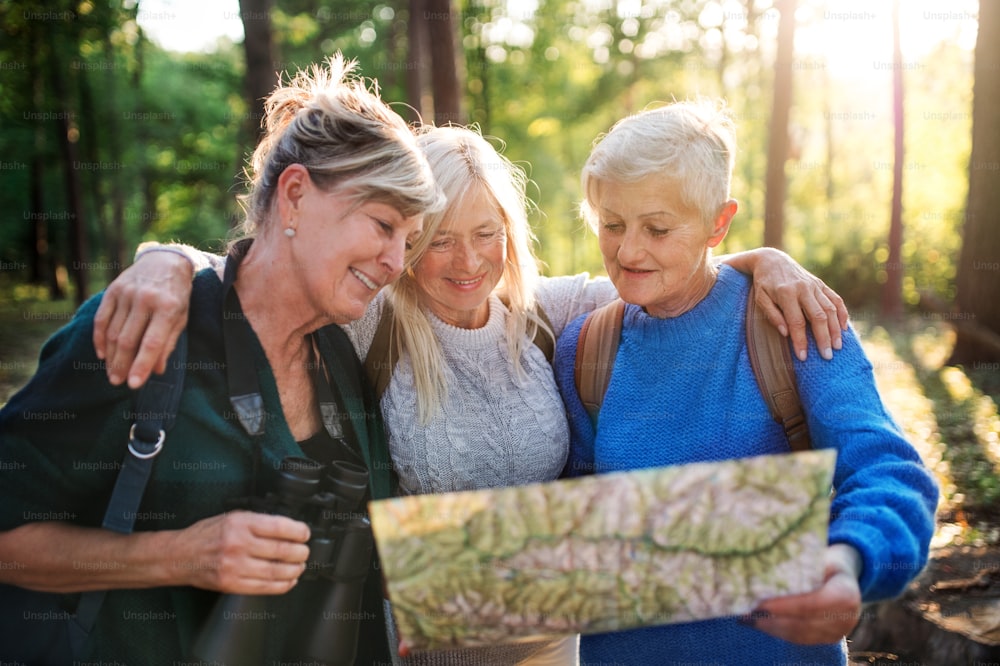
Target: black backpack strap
pixel 155 412
pixel 382 354
pixel 543 339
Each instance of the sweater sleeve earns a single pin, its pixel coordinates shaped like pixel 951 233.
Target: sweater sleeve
pixel 566 298
pixel 885 498
pixel 581 444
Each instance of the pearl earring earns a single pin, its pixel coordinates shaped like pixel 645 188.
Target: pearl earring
pixel 290 232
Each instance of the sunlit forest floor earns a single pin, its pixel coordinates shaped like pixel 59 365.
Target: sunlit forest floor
pixel 949 413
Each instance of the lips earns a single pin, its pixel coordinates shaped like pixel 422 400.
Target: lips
pixel 466 284
pixel 634 271
pixel 365 280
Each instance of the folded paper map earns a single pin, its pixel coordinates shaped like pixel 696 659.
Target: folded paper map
pixel 605 552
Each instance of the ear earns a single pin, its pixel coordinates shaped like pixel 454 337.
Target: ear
pixel 722 221
pixel 293 183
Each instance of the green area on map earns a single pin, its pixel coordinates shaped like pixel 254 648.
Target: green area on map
pixel 605 552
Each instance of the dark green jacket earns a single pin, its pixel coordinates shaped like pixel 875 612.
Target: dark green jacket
pixel 63 437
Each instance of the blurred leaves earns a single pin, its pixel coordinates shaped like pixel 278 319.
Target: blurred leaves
pixel 542 78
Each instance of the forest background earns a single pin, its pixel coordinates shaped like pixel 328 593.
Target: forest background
pixel 868 132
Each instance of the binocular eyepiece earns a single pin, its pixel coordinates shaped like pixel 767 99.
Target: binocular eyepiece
pixel 327 600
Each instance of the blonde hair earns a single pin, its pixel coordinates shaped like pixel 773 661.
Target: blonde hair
pixel 335 124
pixel 465 164
pixel 693 142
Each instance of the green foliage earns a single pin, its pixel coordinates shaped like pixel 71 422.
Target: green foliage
pixel 168 137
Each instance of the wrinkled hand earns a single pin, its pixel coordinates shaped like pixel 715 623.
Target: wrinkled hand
pixel 820 617
pixel 241 552
pixel 142 313
pixel 789 294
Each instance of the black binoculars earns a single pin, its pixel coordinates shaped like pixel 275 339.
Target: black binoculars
pixel 327 600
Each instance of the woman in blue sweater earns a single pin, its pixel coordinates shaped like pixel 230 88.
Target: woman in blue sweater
pixel 682 390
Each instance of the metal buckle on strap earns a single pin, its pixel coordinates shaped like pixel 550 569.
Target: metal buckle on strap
pixel 156 447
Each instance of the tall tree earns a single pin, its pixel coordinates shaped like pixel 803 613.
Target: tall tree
pixel 416 59
pixel 258 46
pixel 892 293
pixel 777 149
pixel 438 18
pixel 68 137
pixel 978 278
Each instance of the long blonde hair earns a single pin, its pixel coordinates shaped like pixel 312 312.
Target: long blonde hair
pixel 463 164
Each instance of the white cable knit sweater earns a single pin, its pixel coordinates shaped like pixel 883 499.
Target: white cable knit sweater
pixel 492 430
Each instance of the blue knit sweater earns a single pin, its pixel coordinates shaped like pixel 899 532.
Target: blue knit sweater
pixel 682 390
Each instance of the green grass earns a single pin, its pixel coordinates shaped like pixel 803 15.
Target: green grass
pixel 27 319
pixel 950 414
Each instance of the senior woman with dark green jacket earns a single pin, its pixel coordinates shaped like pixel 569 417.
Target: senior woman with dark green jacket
pixel 339 187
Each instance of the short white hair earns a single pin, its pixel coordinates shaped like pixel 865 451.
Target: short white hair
pixel 693 142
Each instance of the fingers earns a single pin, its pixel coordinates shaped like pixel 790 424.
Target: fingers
pixel 155 331
pixel 797 306
pixel 101 320
pixel 246 553
pixel 142 313
pixel 823 616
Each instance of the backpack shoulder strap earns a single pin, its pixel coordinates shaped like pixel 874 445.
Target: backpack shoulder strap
pixel 381 358
pixel 775 372
pixel 542 339
pixel 156 405
pixel 595 354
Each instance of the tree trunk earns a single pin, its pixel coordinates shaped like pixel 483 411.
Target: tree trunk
pixel 43 269
pixel 892 294
pixel 116 195
pixel 978 279
pixel 416 59
pixel 68 137
pixel 777 149
pixel 444 62
pixel 258 48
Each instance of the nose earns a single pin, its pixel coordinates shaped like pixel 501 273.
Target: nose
pixel 631 248
pixel 393 256
pixel 465 256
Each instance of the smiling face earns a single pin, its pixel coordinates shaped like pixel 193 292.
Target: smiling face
pixel 346 252
pixel 656 249
pixel 464 262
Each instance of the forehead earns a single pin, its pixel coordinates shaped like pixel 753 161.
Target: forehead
pixel 650 195
pixel 474 210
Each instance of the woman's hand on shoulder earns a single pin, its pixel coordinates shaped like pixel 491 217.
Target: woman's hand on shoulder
pixel 791 296
pixel 142 313
pixel 824 616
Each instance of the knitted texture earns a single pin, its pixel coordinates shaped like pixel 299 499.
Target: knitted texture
pixel 493 430
pixel 682 390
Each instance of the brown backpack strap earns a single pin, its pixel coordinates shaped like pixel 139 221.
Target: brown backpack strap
pixel 381 358
pixel 595 354
pixel 775 372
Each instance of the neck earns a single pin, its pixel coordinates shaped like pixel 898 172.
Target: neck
pixel 700 287
pixel 274 303
pixel 468 319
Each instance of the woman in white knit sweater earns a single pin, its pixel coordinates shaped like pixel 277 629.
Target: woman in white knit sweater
pixel 471 402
